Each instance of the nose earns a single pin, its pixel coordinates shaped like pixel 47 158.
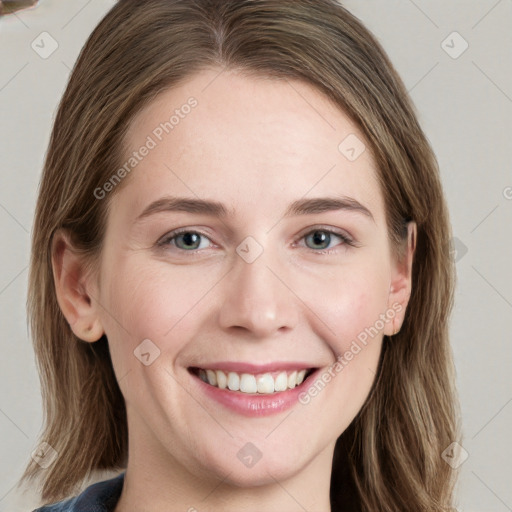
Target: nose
pixel 257 299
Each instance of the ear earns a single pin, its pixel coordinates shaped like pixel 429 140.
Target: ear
pixel 75 289
pixel 401 282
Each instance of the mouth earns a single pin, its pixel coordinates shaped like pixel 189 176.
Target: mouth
pixel 268 383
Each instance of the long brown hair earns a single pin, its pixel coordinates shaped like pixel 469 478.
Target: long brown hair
pixel 389 459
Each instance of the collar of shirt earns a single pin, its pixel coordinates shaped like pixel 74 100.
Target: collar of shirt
pixel 98 497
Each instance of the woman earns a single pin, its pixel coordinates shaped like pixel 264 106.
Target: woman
pixel 241 277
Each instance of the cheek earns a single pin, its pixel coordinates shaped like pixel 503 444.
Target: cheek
pixel 352 320
pixel 350 303
pixel 153 302
pixel 146 302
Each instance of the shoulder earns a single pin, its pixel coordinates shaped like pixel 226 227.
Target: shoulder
pixel 100 497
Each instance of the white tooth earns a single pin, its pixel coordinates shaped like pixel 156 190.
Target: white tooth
pixel 265 383
pixel 222 380
pixel 233 381
pixel 281 382
pixel 292 379
pixel 212 378
pixel 202 376
pixel 248 383
pixel 300 376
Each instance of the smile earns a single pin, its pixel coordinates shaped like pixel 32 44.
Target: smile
pixel 263 383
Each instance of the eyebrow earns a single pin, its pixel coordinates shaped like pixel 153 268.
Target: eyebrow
pixel 217 209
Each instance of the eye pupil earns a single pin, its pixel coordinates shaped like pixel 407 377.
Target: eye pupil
pixel 189 238
pixel 320 237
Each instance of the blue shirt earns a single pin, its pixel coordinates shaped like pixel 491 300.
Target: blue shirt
pixel 98 497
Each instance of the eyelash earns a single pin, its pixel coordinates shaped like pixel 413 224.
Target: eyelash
pixel 345 239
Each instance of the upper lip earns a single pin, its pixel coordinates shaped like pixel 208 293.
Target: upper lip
pixel 243 367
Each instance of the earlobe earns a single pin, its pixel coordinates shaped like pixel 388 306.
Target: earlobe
pixel 401 282
pixel 73 289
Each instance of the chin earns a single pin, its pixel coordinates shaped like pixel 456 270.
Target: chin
pixel 235 467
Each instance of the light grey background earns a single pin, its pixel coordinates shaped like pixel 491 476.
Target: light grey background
pixel 465 107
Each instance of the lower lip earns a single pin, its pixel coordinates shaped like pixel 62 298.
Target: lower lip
pixel 251 404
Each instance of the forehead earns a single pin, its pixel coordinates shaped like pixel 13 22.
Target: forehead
pixel 246 140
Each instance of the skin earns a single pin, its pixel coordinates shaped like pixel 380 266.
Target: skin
pixel 255 145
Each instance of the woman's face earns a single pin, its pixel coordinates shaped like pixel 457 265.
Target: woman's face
pixel 272 278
